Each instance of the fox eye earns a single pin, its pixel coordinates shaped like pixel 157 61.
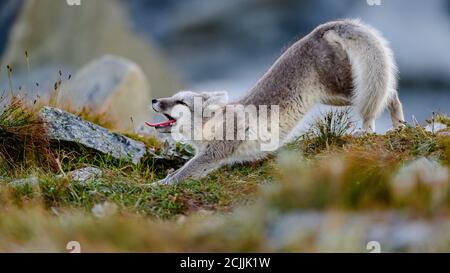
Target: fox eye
pixel 181 102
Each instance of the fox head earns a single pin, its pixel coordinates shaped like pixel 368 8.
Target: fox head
pixel 183 108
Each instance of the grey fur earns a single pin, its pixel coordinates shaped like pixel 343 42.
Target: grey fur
pixel 339 63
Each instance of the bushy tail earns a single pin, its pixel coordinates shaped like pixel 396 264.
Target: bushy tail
pixel 373 66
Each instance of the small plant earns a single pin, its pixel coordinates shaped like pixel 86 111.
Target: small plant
pixel 328 130
pixel 440 118
pixel 23 139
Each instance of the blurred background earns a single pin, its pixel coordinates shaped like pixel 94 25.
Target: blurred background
pixel 214 44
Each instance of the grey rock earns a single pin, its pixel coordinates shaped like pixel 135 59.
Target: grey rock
pixel 112 85
pixel 31 181
pixel 352 232
pixel 293 227
pixel 406 235
pixel 64 126
pixel 104 209
pixel 52 39
pixel 85 174
pixel 423 169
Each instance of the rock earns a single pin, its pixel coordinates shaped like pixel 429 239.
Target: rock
pixel 290 228
pixel 31 181
pixel 351 232
pixel 403 235
pixel 68 37
pixel 112 85
pixel 104 209
pixel 64 126
pixel 85 174
pixel 423 170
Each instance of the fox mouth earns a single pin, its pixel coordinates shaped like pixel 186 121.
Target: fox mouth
pixel 168 123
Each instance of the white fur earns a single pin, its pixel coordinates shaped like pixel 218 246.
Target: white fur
pixel 374 70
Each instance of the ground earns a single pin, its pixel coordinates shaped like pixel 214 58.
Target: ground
pixel 326 170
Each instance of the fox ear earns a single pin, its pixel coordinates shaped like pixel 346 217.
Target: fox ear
pixel 219 98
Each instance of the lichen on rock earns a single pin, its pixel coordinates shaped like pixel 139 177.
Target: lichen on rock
pixel 64 126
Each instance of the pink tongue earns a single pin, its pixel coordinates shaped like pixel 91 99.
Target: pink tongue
pixel 161 124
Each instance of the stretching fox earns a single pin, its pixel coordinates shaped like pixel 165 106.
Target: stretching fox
pixel 339 63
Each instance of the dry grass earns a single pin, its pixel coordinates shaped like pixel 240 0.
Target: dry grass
pixel 23 138
pixel 329 130
pixel 326 171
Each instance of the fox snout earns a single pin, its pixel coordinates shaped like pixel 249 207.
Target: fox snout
pixel 161 105
pixel 155 105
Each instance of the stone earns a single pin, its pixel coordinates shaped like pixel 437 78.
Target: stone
pixel 85 174
pixel 290 228
pixel 104 209
pixel 31 181
pixel 426 169
pixel 333 231
pixel 421 169
pixel 63 126
pixel 68 37
pixel 112 85
pixel 411 235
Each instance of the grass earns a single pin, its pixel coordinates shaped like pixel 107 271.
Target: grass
pixel 326 170
pixel 23 140
pixel 123 183
pixel 130 191
pixel 327 131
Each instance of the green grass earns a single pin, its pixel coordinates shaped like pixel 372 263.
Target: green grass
pixel 131 191
pixel 327 131
pixel 326 170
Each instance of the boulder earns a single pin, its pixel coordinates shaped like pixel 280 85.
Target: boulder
pixel 111 85
pixel 64 126
pixel 68 37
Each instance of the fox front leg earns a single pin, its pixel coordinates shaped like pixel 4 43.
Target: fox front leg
pixel 199 166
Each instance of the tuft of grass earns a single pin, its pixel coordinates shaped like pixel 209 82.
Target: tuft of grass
pixel 23 138
pixel 404 143
pixel 440 118
pixel 326 131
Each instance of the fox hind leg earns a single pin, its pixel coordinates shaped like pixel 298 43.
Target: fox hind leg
pixel 396 110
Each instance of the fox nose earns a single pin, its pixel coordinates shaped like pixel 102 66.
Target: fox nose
pixel 154 101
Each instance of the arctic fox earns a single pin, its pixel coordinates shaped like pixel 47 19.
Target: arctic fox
pixel 339 63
